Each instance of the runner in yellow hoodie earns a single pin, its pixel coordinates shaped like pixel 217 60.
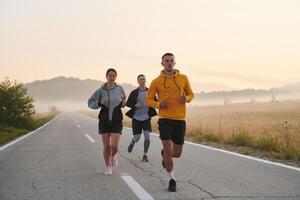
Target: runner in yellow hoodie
pixel 173 91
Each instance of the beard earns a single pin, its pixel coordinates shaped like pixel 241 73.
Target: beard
pixel 169 68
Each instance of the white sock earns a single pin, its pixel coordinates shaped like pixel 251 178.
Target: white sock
pixel 171 175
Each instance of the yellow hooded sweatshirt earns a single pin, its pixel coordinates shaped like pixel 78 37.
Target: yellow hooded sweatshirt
pixel 170 89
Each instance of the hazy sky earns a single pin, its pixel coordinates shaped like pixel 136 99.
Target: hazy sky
pixel 219 44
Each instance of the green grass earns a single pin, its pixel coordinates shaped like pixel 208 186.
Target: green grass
pixel 284 154
pixel 42 121
pixel 198 138
pixel 267 143
pixel 206 137
pixel 8 134
pixel 290 154
pixel 241 139
pixel 210 137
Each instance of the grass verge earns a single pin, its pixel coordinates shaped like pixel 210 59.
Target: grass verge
pixel 8 134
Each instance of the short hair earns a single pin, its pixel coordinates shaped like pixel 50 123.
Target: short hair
pixel 167 54
pixel 139 76
pixel 111 70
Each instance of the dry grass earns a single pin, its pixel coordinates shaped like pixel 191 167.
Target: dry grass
pixel 257 120
pixel 38 116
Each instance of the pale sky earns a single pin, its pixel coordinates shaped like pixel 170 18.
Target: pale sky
pixel 217 43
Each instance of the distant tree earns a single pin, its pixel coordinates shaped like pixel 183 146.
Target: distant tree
pixel 16 108
pixel 273 99
pixel 53 110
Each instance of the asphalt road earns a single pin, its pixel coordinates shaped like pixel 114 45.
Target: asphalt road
pixel 63 160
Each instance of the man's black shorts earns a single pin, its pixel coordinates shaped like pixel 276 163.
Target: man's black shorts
pixel 170 129
pixel 139 126
pixel 114 126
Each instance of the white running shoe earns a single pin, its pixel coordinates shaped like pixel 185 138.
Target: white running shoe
pixel 108 170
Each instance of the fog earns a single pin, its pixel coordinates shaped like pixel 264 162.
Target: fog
pixel 42 107
pixel 229 100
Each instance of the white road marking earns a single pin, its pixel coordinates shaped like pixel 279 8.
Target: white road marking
pixel 136 188
pixel 25 136
pixel 78 126
pixel 90 138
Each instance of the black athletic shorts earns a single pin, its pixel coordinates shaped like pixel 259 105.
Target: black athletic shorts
pixel 114 126
pixel 139 126
pixel 170 129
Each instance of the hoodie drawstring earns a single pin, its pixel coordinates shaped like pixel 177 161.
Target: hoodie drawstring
pixel 165 83
pixel 174 82
pixel 177 85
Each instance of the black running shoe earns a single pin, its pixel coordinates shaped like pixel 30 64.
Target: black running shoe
pixel 162 155
pixel 172 186
pixel 145 158
pixel 130 147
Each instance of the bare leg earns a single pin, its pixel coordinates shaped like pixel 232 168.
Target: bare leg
pixel 115 138
pixel 177 150
pixel 106 148
pixel 168 153
pixel 171 150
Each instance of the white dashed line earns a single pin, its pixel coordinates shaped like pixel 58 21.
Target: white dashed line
pixel 90 138
pixel 136 188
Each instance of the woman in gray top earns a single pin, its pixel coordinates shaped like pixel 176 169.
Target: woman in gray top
pixel 110 97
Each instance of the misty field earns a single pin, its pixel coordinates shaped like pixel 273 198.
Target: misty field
pixel 280 120
pixel 262 129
